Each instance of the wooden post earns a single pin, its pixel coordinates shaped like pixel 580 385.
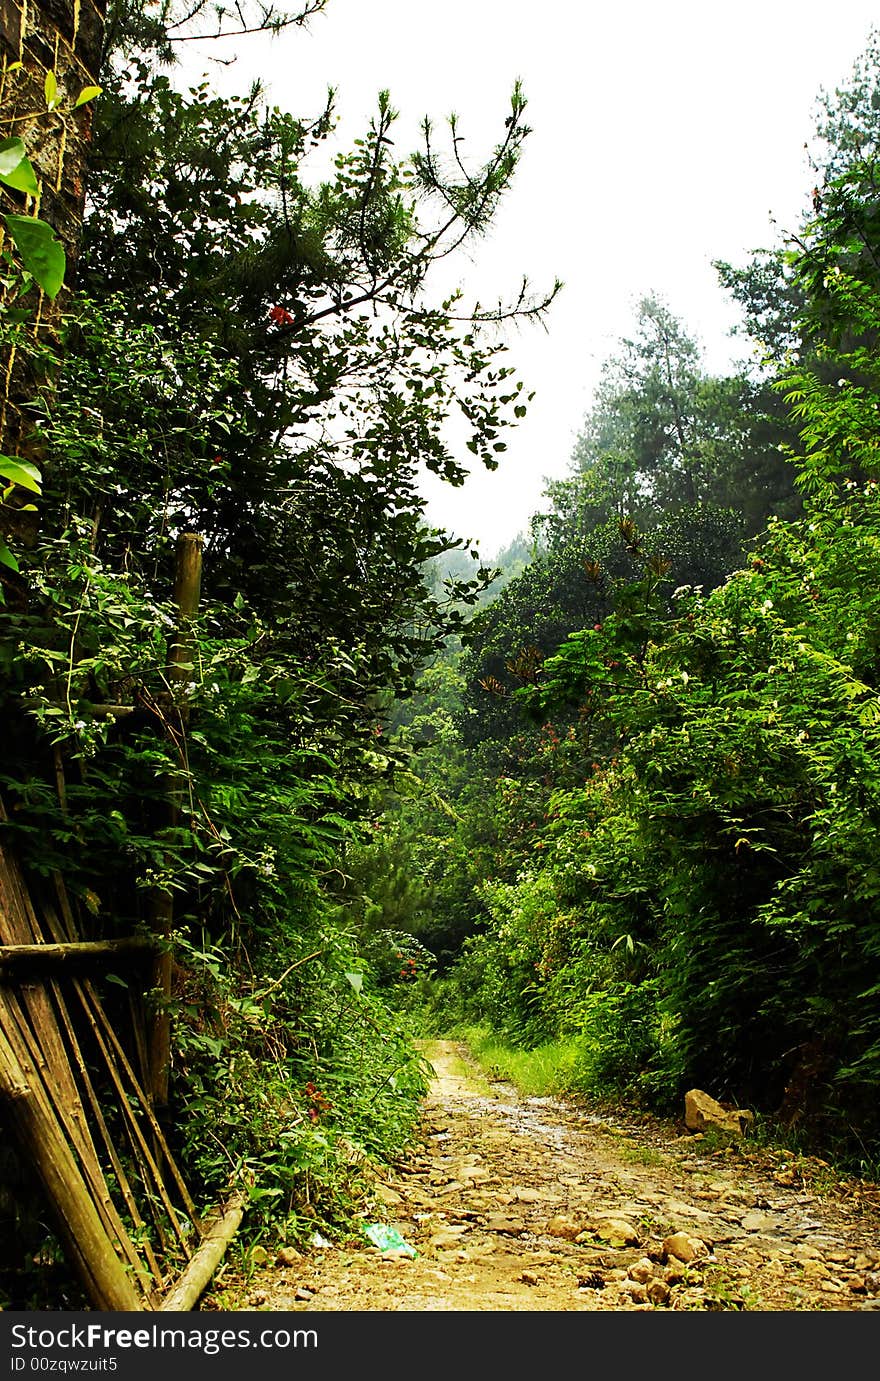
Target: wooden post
pixel 187 586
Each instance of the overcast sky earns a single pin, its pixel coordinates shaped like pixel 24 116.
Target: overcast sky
pixel 665 135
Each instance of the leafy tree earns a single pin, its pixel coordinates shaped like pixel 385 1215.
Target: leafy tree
pixel 258 359
pixel 708 894
pixel 664 435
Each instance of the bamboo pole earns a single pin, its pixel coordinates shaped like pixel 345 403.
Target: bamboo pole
pixel 61 1100
pixel 80 1228
pixel 52 957
pixel 30 1018
pixel 195 1279
pixel 187 586
pixel 147 1276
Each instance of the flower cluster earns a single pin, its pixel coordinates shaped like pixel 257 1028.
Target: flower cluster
pixel 318 1102
pixel 408 966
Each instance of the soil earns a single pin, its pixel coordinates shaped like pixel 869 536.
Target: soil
pixel 516 1203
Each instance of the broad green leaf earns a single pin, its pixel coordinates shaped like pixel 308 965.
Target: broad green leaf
pixel 88 93
pixel 22 178
pixel 21 472
pixel 356 980
pixel 11 154
pixel 6 557
pixel 15 167
pixel 50 86
pixel 42 255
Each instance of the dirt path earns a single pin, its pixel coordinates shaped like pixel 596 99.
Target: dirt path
pixel 533 1204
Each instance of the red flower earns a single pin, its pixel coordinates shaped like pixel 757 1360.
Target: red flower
pixel 280 316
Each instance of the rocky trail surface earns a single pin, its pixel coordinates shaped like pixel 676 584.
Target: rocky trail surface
pixel 514 1203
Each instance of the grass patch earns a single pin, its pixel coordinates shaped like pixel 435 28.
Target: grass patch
pixel 539 1073
pixel 640 1155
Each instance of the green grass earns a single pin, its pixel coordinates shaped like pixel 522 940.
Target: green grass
pixel 538 1073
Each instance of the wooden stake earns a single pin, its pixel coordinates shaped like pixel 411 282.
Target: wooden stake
pixel 187 586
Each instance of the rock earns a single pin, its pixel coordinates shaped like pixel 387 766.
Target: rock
pixel 509 1226
pixel 387 1196
pixel 642 1271
pixel 562 1225
pixel 259 1256
pixel 288 1256
pixel 304 1293
pixel 864 1262
pixel 675 1272
pixel 872 1282
pixel 658 1292
pixel 637 1292
pixel 528 1278
pixel 684 1247
pixel 758 1222
pixel 447 1236
pixel 617 1232
pixel 857 1285
pixel 702 1111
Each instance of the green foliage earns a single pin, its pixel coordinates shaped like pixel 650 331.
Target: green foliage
pixel 664 435
pixel 256 358
pixel 289 1086
pixel 675 742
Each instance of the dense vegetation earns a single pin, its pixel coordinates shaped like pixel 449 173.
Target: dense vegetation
pixel 645 820
pixel 625 795
pixel 256 357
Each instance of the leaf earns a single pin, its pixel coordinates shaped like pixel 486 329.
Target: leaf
pixel 50 87
pixel 6 557
pixel 22 178
pixel 88 93
pixel 15 167
pixel 21 472
pixel 869 713
pixel 42 255
pixel 356 980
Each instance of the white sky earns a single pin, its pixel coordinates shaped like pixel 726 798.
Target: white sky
pixel 666 133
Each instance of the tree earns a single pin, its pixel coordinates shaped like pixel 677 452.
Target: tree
pixel 663 435
pixel 259 360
